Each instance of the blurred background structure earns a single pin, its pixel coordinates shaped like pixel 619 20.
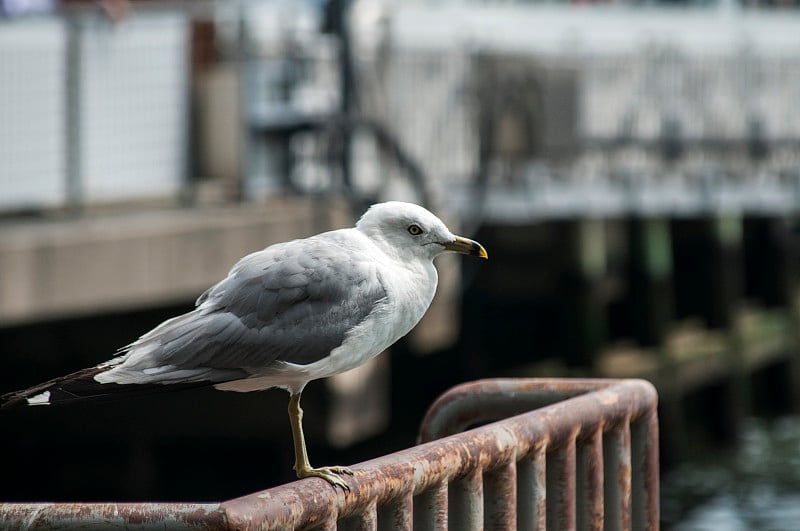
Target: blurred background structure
pixel 633 170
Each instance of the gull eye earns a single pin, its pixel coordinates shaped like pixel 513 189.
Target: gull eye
pixel 414 229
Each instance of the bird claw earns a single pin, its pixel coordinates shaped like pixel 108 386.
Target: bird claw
pixel 328 473
pixel 340 470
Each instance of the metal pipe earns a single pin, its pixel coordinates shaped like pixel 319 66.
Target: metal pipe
pixel 617 478
pixel 365 521
pixel 645 472
pixel 465 502
pixel 589 496
pixel 430 509
pixel 500 499
pixel 532 491
pixel 471 403
pixel 561 487
pixel 112 515
pixel 397 515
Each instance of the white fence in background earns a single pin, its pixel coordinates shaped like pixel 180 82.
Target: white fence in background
pixel 33 129
pixel 133 106
pixel 91 111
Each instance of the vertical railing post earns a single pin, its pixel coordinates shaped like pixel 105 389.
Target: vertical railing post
pixel 645 473
pixel 465 502
pixel 397 515
pixel 561 487
pixel 589 496
pixel 500 498
pixel 617 478
pixel 532 491
pixel 363 521
pixel 430 509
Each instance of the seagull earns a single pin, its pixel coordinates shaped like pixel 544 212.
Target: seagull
pixel 284 316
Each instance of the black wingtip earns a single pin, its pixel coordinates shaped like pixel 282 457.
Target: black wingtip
pixel 81 386
pixel 61 389
pixel 9 401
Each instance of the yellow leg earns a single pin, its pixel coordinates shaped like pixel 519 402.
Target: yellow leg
pixel 301 465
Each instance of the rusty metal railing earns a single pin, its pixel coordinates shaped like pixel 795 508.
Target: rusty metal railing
pixel 586 458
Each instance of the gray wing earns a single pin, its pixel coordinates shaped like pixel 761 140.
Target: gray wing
pixel 292 302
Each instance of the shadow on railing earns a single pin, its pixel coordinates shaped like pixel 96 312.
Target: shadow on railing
pixel 587 458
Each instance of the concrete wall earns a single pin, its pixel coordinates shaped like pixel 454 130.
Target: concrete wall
pixel 111 262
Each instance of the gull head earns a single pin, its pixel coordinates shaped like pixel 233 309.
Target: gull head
pixel 408 230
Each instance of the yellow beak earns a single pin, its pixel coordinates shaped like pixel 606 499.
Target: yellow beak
pixel 466 246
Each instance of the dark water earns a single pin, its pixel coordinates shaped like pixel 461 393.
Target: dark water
pixel 753 487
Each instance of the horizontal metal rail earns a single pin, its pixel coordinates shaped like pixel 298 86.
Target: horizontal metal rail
pixel 587 461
